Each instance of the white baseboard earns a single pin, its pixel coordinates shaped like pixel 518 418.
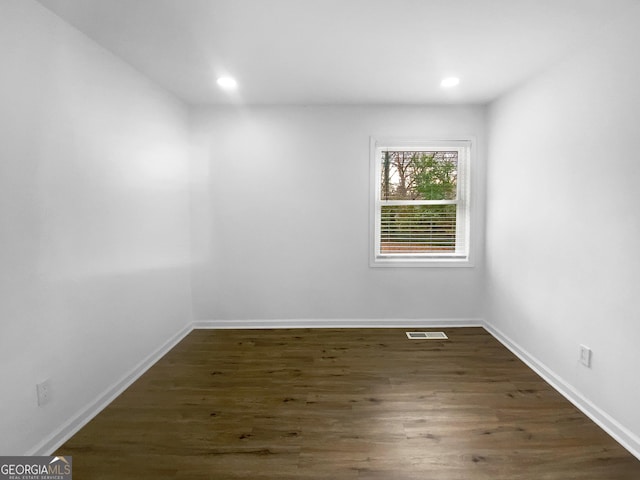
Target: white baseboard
pixel 71 427
pixel 624 436
pixel 339 323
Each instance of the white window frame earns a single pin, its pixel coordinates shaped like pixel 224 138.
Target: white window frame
pixel 462 257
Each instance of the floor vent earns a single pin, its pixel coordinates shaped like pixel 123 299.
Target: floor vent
pixel 426 336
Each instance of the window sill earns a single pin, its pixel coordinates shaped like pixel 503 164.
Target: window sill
pixel 424 262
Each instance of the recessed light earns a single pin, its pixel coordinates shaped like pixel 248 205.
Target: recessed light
pixel 449 82
pixel 228 83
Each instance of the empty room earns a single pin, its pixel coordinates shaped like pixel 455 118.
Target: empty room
pixel 328 239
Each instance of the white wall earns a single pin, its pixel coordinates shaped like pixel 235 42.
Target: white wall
pixel 93 221
pixel 563 231
pixel 281 216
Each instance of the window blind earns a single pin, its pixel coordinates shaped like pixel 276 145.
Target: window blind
pixel 417 229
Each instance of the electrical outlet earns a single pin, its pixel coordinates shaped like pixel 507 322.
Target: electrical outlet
pixel 585 356
pixel 44 392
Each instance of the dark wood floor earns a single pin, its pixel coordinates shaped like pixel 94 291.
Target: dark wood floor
pixel 343 404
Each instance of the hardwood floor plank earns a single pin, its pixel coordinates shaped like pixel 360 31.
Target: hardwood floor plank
pixel 343 404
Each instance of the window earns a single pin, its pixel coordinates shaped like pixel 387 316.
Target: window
pixel 420 204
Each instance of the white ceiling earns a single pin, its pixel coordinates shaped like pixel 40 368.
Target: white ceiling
pixel 340 51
